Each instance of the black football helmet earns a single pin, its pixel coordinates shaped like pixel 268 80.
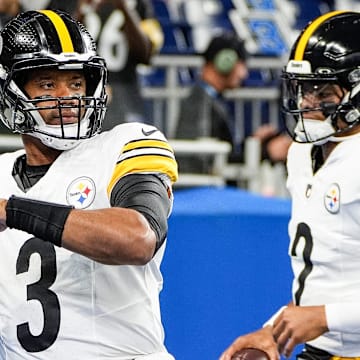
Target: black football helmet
pixel 50 39
pixel 326 53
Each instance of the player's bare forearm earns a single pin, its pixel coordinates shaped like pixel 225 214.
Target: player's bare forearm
pixel 115 236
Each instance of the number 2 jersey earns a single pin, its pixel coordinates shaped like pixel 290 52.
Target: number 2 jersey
pixel 56 304
pixel 325 235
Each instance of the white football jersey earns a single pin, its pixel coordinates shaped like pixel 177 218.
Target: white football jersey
pixel 325 234
pixel 56 304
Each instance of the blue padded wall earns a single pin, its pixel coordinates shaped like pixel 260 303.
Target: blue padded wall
pixel 226 268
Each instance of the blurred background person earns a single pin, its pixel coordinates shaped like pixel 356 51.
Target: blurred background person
pixel 127 34
pixel 205 112
pixel 274 143
pixel 274 140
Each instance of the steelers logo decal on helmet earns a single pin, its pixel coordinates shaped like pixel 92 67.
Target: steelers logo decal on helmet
pixel 332 199
pixel 81 193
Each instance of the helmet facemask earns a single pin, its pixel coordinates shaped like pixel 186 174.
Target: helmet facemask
pixel 306 97
pixel 21 114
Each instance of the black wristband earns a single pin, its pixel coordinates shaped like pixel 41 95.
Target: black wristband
pixel 42 219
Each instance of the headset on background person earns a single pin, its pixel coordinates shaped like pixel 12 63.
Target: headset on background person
pixel 225 61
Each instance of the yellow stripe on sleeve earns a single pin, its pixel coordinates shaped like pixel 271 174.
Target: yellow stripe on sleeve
pixel 151 143
pixel 145 156
pixel 61 29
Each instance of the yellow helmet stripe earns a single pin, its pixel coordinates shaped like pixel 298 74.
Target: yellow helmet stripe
pixel 300 49
pixel 61 29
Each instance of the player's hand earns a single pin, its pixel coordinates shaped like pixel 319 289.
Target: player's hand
pixel 3 203
pixel 298 324
pixel 261 339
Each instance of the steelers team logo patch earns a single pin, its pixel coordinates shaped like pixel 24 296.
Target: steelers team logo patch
pixel 332 199
pixel 81 193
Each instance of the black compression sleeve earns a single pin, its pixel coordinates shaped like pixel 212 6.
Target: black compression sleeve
pixel 148 195
pixel 42 219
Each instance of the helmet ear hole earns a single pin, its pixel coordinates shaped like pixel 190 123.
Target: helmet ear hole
pixel 353 114
pixel 355 99
pixel 225 61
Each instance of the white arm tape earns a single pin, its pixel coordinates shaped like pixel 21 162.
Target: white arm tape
pixel 272 319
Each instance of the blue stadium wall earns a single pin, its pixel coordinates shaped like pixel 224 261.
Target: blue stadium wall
pixel 226 268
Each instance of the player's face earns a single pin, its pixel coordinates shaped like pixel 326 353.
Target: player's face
pixel 314 95
pixel 52 83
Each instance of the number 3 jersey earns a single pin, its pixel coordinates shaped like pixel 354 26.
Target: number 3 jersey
pixel 56 304
pixel 325 235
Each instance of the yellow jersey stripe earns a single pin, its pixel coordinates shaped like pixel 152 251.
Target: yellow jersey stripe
pixel 61 29
pixel 301 46
pixel 151 143
pixel 145 163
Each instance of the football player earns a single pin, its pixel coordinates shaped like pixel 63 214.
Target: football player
pixel 322 97
pixel 83 214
